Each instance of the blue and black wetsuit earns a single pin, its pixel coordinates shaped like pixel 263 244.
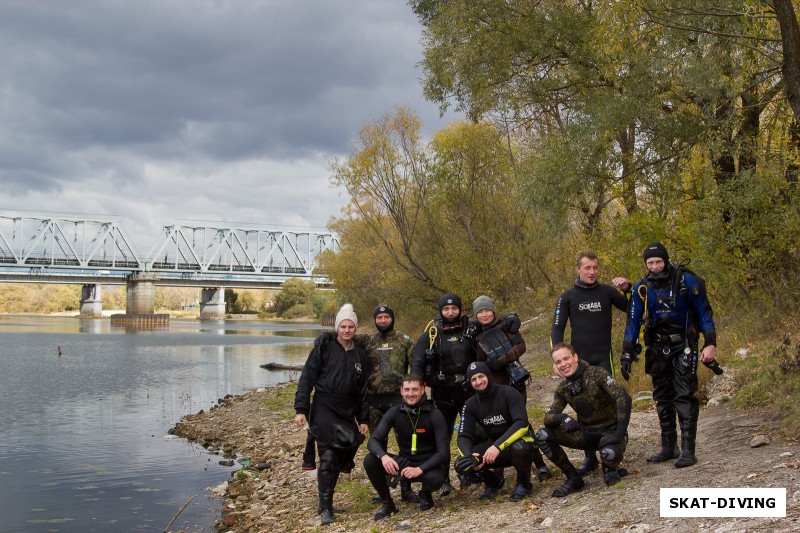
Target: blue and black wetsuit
pixel 677 310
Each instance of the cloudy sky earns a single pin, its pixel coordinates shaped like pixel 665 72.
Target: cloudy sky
pixel 219 110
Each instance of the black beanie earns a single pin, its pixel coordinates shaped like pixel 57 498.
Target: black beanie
pixel 478 367
pixel 449 299
pixel 655 250
pixel 383 309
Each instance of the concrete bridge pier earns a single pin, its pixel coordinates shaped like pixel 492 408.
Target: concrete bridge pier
pixel 91 301
pixel 212 303
pixel 141 294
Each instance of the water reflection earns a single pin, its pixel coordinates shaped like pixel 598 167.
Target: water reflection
pixel 85 444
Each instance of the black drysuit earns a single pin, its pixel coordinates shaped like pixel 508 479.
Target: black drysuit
pixel 338 378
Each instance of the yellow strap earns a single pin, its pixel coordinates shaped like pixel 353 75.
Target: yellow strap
pixel 642 292
pixel 433 332
pixel 519 434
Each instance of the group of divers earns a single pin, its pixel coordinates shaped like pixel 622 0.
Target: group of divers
pixel 352 384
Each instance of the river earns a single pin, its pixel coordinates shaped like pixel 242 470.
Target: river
pixel 83 436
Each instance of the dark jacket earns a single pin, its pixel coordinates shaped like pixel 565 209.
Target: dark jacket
pixel 424 420
pixel 338 378
pixel 497 347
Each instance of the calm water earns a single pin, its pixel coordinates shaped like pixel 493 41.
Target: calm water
pixel 83 437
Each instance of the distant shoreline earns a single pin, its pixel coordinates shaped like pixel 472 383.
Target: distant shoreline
pixel 173 314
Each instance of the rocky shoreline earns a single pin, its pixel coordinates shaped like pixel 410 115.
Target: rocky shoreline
pixel 270 492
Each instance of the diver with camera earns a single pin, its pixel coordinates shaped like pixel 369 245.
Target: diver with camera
pixel 500 345
pixel 672 305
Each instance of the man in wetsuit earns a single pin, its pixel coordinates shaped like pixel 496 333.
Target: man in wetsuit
pixel 587 306
pixel 603 409
pixel 389 354
pixel 672 304
pixel 495 434
pixel 337 417
pixel 422 437
pixel 441 355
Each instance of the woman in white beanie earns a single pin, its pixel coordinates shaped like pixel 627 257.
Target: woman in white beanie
pixel 336 371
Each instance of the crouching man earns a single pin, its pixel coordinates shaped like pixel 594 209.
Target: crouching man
pixel 423 439
pixel 495 434
pixel 603 411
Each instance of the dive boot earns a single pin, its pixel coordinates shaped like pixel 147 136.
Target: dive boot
pixel 521 491
pixel 425 500
pixel 611 475
pixel 589 464
pixel 543 473
pixel 490 492
pixel 669 449
pixel 687 457
pixel 388 508
pixel 574 483
pixel 446 489
pixel 326 516
pixel 406 494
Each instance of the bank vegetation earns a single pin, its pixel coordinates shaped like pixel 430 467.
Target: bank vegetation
pixel 589 125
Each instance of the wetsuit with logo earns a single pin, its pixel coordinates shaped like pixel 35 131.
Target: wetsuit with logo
pixel 588 310
pixel 499 412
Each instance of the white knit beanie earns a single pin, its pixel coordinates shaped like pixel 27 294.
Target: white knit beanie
pixel 346 313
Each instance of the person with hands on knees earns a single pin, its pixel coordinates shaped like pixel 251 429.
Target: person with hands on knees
pixel 603 410
pixel 671 303
pixel 496 432
pixel 424 444
pixel 336 372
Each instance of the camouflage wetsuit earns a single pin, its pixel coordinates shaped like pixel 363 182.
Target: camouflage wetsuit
pixel 603 409
pixel 389 360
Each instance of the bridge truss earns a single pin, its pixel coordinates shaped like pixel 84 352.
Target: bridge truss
pixel 188 246
pixel 63 241
pixel 35 247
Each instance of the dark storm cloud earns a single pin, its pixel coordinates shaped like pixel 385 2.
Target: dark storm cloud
pixel 99 95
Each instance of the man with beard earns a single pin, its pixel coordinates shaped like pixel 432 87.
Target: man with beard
pixel 495 434
pixel 672 304
pixel 603 411
pixel 587 306
pixel 441 356
pixel 422 437
pixel 336 371
pixel 389 354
